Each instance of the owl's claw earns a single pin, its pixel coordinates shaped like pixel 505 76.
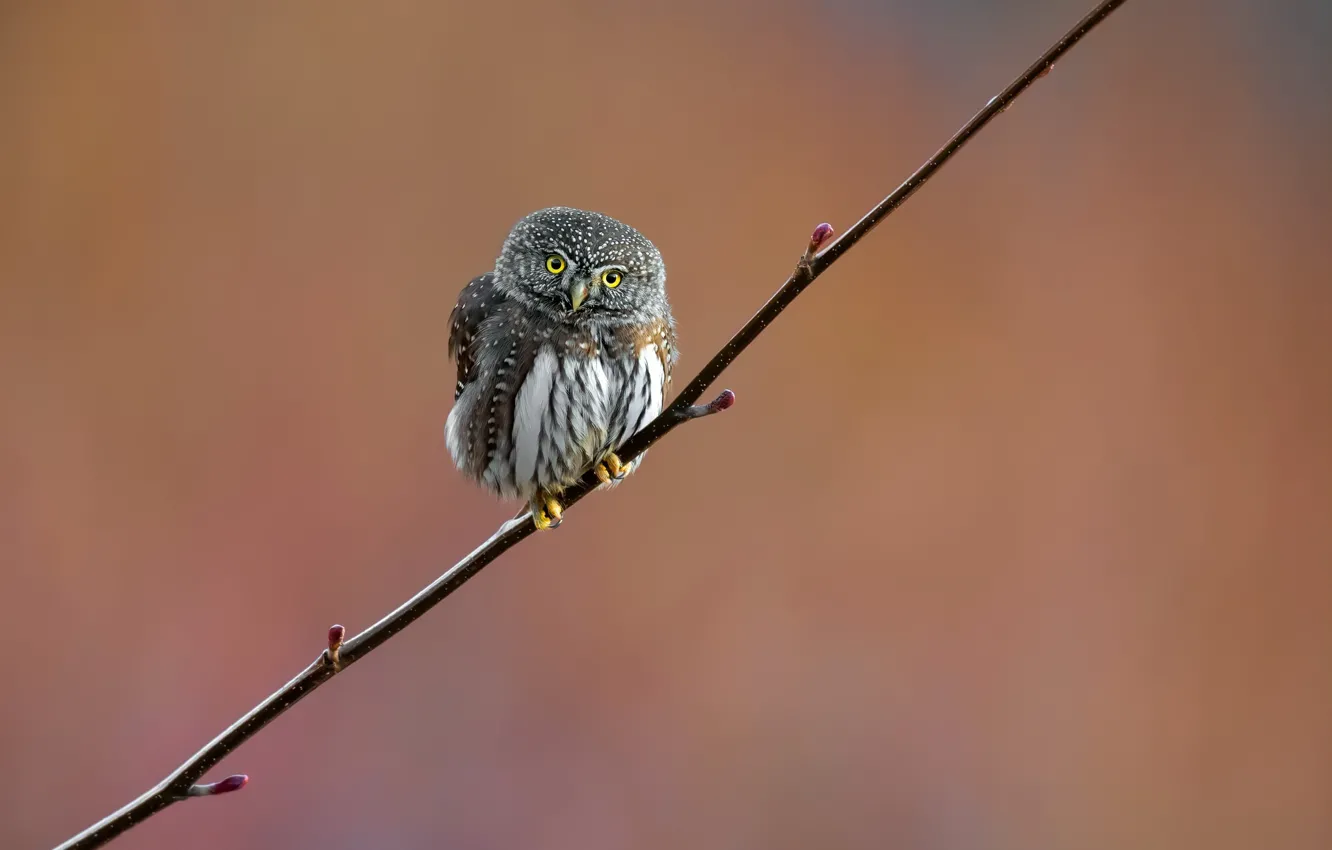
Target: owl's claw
pixel 610 469
pixel 547 512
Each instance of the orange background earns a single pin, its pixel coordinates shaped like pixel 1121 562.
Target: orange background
pixel 1017 537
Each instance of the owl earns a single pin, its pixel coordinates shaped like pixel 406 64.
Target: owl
pixel 564 351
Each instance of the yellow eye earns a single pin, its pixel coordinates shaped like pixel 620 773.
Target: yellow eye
pixel 555 264
pixel 611 278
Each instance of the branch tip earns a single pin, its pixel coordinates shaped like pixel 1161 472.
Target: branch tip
pixel 717 405
pixel 223 786
pixel 821 234
pixel 335 634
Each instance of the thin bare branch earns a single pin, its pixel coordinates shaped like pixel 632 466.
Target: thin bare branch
pixel 338 655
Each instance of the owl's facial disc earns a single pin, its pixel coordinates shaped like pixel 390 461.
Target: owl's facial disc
pixel 582 266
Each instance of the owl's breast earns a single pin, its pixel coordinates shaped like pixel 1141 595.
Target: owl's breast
pixel 578 402
pixel 560 417
pixel 540 416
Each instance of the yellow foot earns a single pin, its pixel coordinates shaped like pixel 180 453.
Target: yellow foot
pixel 610 469
pixel 547 512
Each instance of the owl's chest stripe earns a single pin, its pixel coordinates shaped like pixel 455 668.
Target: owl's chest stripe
pixel 656 384
pixel 581 403
pixel 646 389
pixel 555 428
pixel 622 378
pixel 631 403
pixel 534 399
pixel 571 408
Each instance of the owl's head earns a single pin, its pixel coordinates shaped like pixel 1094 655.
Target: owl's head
pixel 583 267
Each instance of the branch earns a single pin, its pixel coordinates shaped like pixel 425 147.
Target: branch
pixel 818 256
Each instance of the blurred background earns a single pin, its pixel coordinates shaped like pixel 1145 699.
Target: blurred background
pixel 1019 535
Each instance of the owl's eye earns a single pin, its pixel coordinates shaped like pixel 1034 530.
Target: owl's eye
pixel 555 264
pixel 611 278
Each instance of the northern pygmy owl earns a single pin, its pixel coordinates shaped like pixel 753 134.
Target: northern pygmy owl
pixel 563 352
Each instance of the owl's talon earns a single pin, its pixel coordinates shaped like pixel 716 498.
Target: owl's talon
pixel 547 512
pixel 610 469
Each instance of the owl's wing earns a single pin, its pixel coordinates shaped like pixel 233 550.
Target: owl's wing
pixel 477 300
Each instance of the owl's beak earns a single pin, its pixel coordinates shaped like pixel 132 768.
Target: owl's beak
pixel 577 293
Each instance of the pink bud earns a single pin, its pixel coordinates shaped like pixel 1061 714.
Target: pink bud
pixel 722 402
pixel 224 786
pixel 821 234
